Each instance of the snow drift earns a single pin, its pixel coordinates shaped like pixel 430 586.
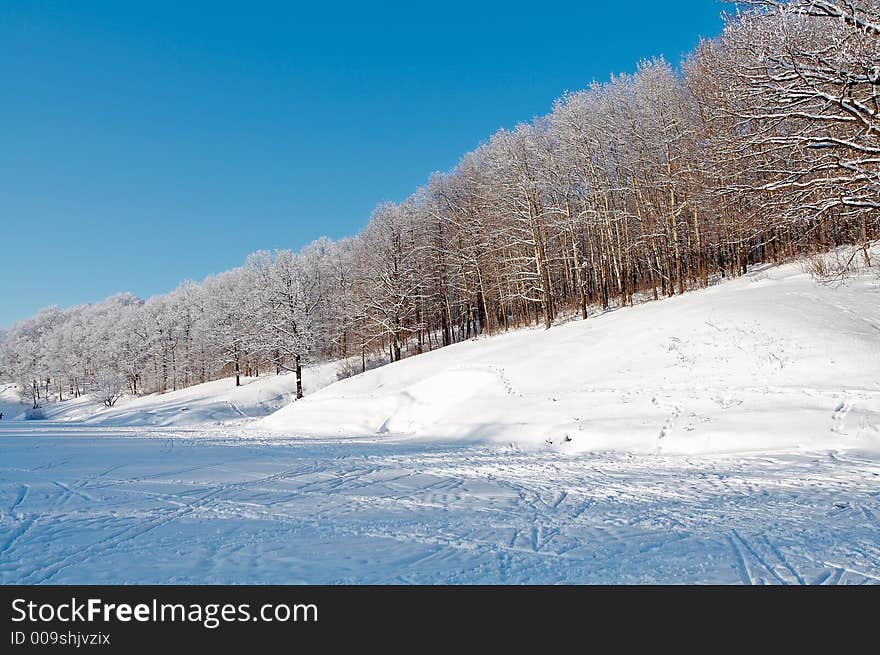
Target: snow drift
pixel 772 360
pixel 11 405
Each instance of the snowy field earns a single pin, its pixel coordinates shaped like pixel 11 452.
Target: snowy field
pixel 213 403
pixel 83 504
pixel 731 435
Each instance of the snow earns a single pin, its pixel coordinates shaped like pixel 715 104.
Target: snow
pixel 11 404
pixel 214 402
pixel 87 504
pixel 773 360
pixel 727 436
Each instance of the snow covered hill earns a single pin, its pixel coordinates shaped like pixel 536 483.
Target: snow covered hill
pixel 767 361
pixel 214 402
pixel 773 360
pixel 429 491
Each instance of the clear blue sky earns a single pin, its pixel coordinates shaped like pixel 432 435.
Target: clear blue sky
pixel 145 143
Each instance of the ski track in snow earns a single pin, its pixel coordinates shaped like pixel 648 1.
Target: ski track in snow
pixel 84 504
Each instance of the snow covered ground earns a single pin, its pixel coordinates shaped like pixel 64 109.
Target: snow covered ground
pixel 84 504
pixel 10 402
pixel 214 402
pixel 727 436
pixel 772 360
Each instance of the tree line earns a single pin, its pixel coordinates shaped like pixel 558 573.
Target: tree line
pixel 762 146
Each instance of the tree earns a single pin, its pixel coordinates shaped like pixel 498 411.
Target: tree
pixel 387 284
pixel 109 386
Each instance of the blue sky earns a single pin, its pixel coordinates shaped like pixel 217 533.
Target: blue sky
pixel 145 143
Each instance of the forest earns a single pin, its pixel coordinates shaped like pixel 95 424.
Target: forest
pixel 761 146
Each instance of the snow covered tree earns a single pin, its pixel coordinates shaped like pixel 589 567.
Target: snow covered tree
pixel 763 147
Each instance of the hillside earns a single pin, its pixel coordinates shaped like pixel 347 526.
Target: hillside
pixel 767 361
pixel 416 481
